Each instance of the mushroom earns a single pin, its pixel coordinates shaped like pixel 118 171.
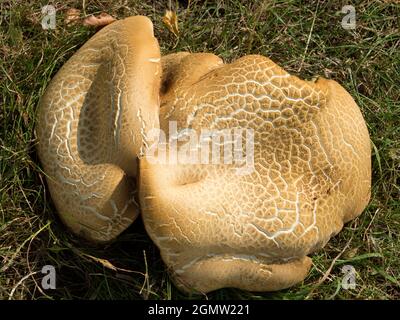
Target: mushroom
pixel 216 228
pixel 92 126
pixel 217 223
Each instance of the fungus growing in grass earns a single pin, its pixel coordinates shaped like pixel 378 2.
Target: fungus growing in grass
pixel 92 124
pixel 214 227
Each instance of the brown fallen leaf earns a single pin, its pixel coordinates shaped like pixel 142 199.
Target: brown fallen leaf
pixel 72 16
pixel 99 21
pixel 171 21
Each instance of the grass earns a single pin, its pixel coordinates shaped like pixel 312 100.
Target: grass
pixel 304 37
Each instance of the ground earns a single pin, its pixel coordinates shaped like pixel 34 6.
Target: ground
pixel 304 37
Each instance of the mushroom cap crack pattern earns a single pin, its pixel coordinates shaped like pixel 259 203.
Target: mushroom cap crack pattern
pixel 214 227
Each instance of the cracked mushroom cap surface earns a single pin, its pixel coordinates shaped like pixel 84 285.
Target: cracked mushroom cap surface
pixel 92 123
pixel 217 227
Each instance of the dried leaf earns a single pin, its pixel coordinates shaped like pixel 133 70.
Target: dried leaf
pixel 101 20
pixel 171 21
pixel 72 16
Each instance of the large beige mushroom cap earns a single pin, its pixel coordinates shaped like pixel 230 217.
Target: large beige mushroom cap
pixel 92 126
pixel 216 228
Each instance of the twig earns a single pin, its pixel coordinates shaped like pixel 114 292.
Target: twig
pixel 146 278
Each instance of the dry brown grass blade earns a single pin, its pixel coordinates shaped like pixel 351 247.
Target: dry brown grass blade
pixel 107 264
